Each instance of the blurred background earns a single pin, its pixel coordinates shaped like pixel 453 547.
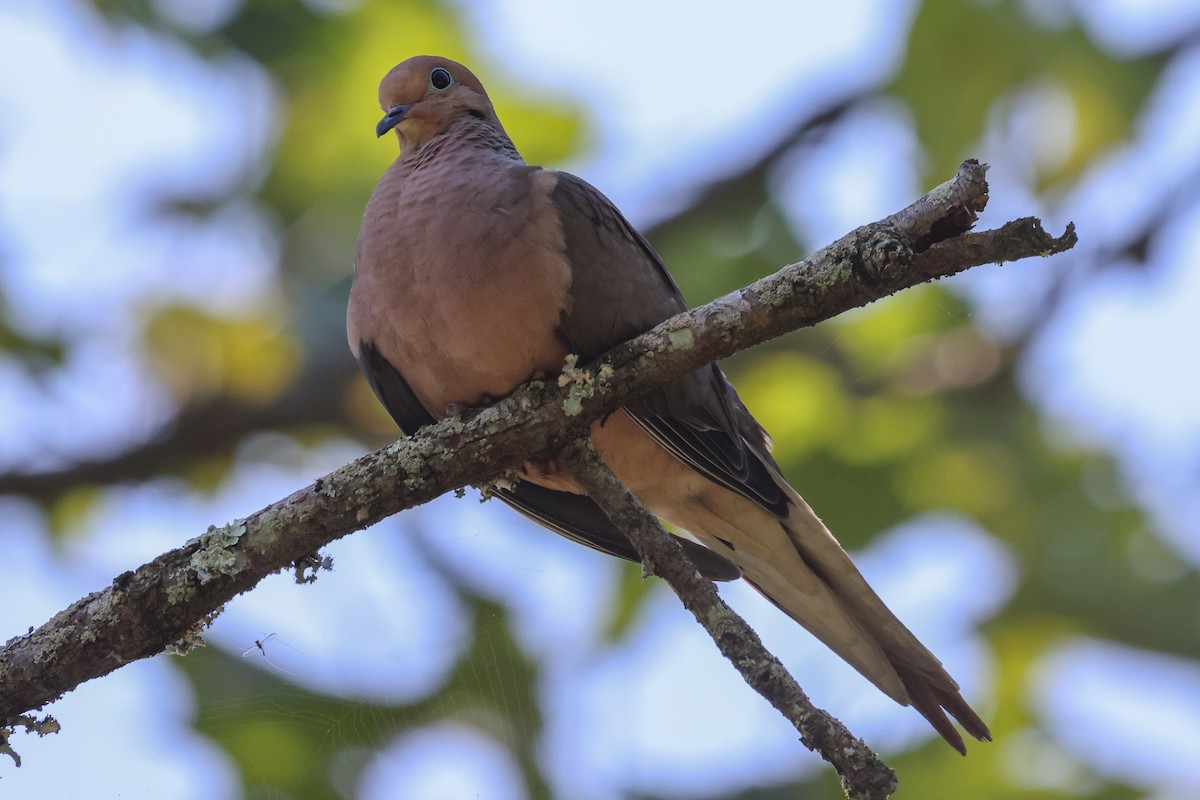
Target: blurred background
pixel 1012 455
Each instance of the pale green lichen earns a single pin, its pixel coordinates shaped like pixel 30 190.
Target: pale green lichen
pixel 213 561
pixel 505 481
pixel 42 727
pixel 58 634
pixel 180 591
pixel 682 339
pixel 191 639
pixel 583 383
pixel 304 570
pixel 214 557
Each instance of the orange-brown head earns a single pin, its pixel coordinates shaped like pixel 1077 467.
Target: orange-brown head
pixel 425 94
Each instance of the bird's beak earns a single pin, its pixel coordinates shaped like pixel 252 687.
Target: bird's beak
pixel 393 117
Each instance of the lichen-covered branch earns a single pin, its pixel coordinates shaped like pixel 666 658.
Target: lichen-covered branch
pixel 864 776
pixel 168 600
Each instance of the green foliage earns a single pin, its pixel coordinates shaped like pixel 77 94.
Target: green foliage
pixel 966 56
pixel 198 354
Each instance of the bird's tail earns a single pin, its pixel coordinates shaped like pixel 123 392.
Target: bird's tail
pixel 807 574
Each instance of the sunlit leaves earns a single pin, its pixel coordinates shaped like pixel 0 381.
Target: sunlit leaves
pixel 885 337
pixel 885 427
pixel 800 401
pixel 967 58
pixel 976 479
pixel 250 359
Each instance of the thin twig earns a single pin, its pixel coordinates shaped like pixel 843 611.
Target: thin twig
pixel 864 776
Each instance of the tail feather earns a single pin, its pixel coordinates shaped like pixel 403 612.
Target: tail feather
pixel 839 632
pixel 826 557
pixel 933 702
pixel 824 592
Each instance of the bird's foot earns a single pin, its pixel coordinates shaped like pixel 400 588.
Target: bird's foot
pixel 458 409
pixel 540 467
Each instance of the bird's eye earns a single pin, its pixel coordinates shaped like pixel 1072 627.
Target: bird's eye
pixel 440 79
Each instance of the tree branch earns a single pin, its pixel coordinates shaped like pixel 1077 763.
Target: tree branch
pixel 864 776
pixel 170 599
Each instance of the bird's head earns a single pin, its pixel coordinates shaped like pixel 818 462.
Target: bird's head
pixel 424 95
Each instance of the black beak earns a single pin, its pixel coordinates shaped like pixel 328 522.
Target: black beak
pixel 393 117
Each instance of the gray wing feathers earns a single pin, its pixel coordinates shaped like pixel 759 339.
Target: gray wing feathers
pixel 620 289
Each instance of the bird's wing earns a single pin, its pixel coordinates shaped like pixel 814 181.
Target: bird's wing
pixel 574 516
pixel 619 289
pixel 392 390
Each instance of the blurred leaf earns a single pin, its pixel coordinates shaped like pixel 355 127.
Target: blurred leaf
pixel 39 352
pixel 800 401
pixel 965 55
pixel 365 409
pixel 886 427
pixel 70 512
pixel 632 592
pixel 884 337
pixel 197 354
pixel 975 478
pixel 208 474
pixel 712 253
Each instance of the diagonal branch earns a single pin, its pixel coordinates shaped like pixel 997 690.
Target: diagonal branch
pixel 864 776
pixel 170 599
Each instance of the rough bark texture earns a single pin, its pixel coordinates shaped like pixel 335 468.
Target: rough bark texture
pixel 169 600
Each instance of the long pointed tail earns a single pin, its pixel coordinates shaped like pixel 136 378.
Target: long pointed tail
pixel 798 565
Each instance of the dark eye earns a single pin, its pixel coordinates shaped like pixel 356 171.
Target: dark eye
pixel 440 79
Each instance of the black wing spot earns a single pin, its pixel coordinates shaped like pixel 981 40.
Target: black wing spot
pixel 392 390
pixel 578 518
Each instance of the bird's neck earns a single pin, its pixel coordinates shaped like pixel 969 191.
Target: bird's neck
pixel 467 137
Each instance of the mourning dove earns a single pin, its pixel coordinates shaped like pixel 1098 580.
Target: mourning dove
pixel 475 271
